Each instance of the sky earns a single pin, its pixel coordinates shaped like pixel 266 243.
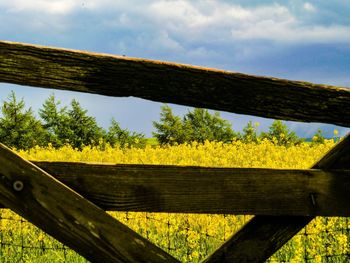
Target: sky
pixel 295 39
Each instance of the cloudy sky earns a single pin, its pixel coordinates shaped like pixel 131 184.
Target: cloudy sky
pixel 295 39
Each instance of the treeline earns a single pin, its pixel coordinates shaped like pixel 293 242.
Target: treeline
pixel 200 125
pixel 20 129
pixel 58 126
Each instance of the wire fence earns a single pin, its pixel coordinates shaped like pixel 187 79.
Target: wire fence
pixel 188 237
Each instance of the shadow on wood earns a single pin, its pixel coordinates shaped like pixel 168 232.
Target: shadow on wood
pixel 181 189
pixel 69 217
pixel 261 237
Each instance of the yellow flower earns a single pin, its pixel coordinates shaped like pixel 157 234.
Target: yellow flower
pixel 193 236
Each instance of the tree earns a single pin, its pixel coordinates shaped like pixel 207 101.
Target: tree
pixel 250 132
pixel 197 125
pixel 73 126
pixel 204 126
pixel 170 129
pixel 55 121
pixel 18 127
pixel 280 134
pixel 81 129
pixel 124 137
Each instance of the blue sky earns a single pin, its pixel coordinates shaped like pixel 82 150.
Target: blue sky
pixel 299 40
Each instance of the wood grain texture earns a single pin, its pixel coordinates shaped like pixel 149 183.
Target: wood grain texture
pixel 262 236
pixel 174 83
pixel 258 239
pixel 157 188
pixel 68 217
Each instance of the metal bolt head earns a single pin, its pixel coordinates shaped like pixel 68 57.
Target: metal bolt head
pixel 18 186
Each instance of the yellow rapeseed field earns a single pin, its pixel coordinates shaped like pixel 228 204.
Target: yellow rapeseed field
pixel 188 237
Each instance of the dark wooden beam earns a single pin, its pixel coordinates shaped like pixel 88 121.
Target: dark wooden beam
pixel 262 236
pixel 243 245
pixel 68 217
pixel 157 188
pixel 110 75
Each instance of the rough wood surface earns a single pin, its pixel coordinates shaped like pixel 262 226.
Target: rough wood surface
pixel 262 236
pixel 157 188
pixel 174 83
pixel 67 216
pixel 259 239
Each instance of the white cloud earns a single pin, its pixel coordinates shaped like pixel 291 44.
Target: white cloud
pixel 180 11
pixel 164 40
pixel 293 33
pixel 190 27
pixel 212 21
pixel 53 7
pixel 309 7
pixel 179 24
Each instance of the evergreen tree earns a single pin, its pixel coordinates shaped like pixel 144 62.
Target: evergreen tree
pixel 170 129
pixel 81 129
pixel 55 120
pixel 18 127
pixel 124 137
pixel 280 134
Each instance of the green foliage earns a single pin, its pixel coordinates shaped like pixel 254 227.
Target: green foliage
pixel 170 129
pixel 54 120
pixel 250 133
pixel 123 137
pixel 152 142
pixel 204 126
pixel 18 127
pixel 81 129
pixel 197 125
pixel 280 134
pixel 318 137
pixel 69 126
pixel 73 126
pixel 62 125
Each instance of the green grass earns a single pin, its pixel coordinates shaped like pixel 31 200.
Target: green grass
pixel 152 141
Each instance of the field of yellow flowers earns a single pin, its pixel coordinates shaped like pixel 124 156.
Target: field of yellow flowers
pixel 186 236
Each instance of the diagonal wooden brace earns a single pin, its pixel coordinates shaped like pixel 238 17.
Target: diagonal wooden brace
pixel 262 236
pixel 68 217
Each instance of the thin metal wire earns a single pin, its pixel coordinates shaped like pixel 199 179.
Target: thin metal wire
pixel 29 243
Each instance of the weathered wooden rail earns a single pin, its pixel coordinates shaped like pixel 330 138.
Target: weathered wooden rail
pixel 67 199
pixel 169 82
pixel 176 189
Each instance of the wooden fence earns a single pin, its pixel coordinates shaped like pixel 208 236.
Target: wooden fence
pixel 67 200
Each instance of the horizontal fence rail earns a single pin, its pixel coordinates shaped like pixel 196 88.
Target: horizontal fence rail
pixel 111 75
pixel 157 188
